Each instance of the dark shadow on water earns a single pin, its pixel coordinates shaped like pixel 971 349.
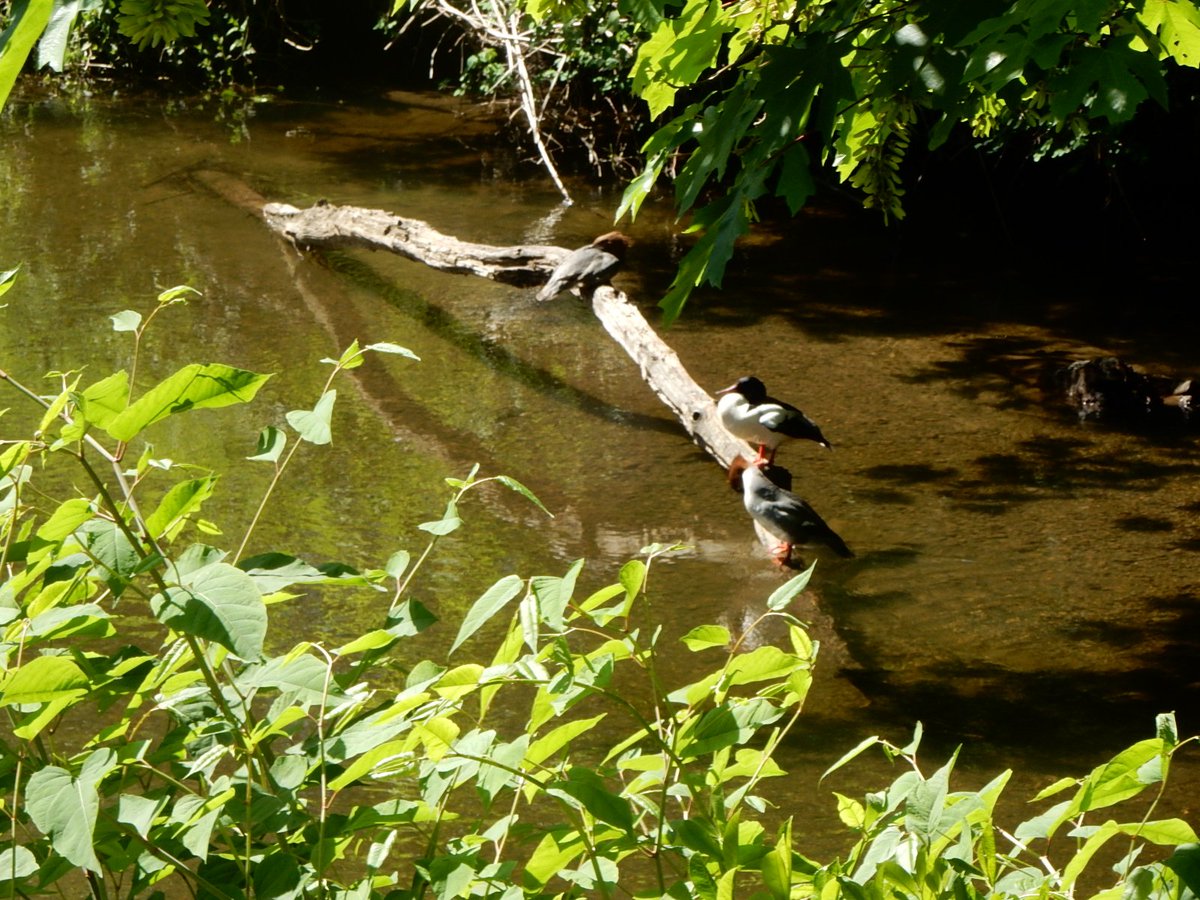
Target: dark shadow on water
pixel 494 354
pixel 1107 709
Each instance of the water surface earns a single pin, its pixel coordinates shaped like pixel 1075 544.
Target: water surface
pixel 1023 583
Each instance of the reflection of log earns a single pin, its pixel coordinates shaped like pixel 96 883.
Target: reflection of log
pixel 326 226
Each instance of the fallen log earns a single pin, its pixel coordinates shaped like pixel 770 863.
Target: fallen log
pixel 325 226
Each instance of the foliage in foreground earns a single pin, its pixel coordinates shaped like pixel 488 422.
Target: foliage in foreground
pixel 158 744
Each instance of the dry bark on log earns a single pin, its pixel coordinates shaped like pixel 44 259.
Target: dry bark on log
pixel 343 226
pixel 324 225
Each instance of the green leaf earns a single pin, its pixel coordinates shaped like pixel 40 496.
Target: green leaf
pixel 181 293
pixel 139 812
pixel 592 794
pixel 218 603
pixel 704 637
pixel 784 595
pixel 106 399
pixel 777 865
pixel 64 808
pixel 8 279
pixel 127 320
pixel 193 387
pixel 1177 26
pixel 395 349
pixel 26 22
pixel 727 725
pixel 53 45
pixel 632 577
pixel 397 564
pixel 761 664
pixel 180 502
pixel 43 679
pixel 925 804
pixel 862 745
pixel 269 448
pixel 69 516
pixel 554 594
pixel 315 425
pixel 513 485
pixel 549 744
pixel 17 863
pixel 448 523
pixel 493 600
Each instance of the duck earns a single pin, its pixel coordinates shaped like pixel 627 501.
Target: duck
pixel 588 266
pixel 781 513
pixel 747 412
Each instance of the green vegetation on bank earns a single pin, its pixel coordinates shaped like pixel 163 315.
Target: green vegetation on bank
pixel 159 744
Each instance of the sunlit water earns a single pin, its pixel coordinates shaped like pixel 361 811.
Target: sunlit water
pixel 1023 583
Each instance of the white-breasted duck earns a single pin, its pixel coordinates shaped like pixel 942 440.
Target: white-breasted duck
pixel 781 513
pixel 747 412
pixel 588 266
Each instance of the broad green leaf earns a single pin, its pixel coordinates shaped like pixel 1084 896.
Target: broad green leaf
pixel 761 664
pixel 193 387
pixel 17 863
pixel 850 811
pixel 594 795
pixel 106 399
pixel 459 681
pixel 1084 854
pixel 632 577
pixel 315 425
pixel 1177 26
pixel 127 320
pixel 351 358
pixel 218 603
pixel 43 679
pixel 269 448
pixel 554 852
pixel 704 637
pixel 926 802
pixel 553 594
pixel 677 52
pixel 299 674
pixel 777 865
pixel 784 595
pixel 64 808
pixel 493 600
pixel 727 725
pixel 448 523
pixel 181 501
pixel 139 812
pixel 26 22
pixel 1164 832
pixel 69 516
pixel 549 744
pixel 397 564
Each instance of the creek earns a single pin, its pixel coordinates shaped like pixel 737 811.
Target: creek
pixel 1023 582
